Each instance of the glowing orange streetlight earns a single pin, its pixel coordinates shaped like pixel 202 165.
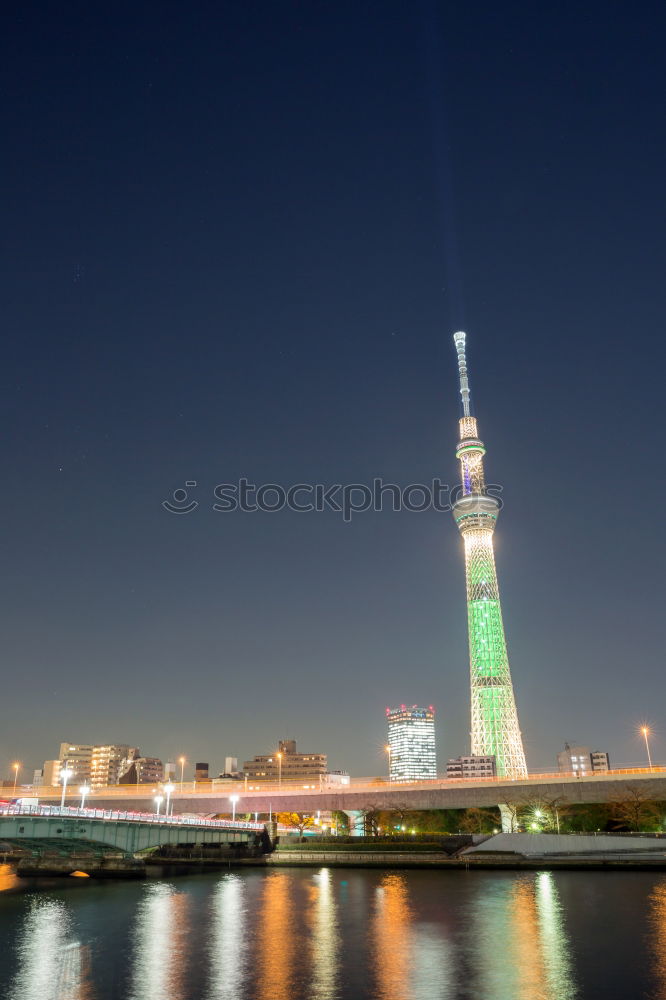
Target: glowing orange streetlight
pixel 388 751
pixel 17 768
pixel 279 757
pixel 181 761
pixel 646 732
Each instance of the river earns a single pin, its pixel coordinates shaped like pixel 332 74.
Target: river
pixel 336 934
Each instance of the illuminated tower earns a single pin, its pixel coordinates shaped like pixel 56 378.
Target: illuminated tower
pixel 495 727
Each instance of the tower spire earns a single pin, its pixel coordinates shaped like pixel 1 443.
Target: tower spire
pixel 495 729
pixel 459 340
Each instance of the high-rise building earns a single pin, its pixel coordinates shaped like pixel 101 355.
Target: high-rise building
pixel 600 760
pixel 471 767
pixel 201 771
pixel 581 760
pixel 285 764
pixel 141 771
pixel 77 757
pixel 106 763
pixel 51 773
pixel 495 729
pixel 230 765
pixel 411 741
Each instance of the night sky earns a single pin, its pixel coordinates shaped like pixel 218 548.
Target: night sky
pixel 237 240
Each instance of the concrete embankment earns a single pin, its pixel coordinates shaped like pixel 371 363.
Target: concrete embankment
pixel 357 859
pixel 509 862
pixel 504 851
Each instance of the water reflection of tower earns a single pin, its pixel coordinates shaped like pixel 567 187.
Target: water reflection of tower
pixel 521 949
pixel 657 919
pixel 495 729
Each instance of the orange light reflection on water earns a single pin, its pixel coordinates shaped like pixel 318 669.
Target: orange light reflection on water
pixel 276 942
pixel 391 939
pixel 325 937
pixel 8 878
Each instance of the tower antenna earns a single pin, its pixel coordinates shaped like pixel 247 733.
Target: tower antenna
pixel 459 340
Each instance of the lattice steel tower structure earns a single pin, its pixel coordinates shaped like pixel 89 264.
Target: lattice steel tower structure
pixel 495 727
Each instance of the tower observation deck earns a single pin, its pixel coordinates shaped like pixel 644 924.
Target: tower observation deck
pixel 495 729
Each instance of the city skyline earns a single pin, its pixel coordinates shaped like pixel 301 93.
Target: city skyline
pixel 209 280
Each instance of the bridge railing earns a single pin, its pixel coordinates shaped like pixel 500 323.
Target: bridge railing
pixel 127 815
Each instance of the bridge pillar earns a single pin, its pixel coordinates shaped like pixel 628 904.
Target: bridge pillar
pixel 509 819
pixel 356 823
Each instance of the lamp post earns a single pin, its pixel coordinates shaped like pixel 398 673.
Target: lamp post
pixel 233 799
pixel 17 768
pixel 388 751
pixel 181 761
pixel 646 732
pixel 159 799
pixel 83 791
pixel 65 775
pixel 168 791
pixel 279 757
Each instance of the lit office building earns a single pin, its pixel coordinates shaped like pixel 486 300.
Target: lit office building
pixel 77 758
pixel 106 763
pixel 411 743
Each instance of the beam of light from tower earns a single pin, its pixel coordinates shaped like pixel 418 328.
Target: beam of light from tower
pixel 495 729
pixel 436 85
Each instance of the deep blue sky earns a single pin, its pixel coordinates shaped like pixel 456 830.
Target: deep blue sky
pixel 238 238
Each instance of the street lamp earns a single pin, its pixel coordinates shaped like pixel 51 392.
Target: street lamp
pixel 388 751
pixel 645 731
pixel 83 790
pixel 159 799
pixel 181 761
pixel 279 757
pixel 168 791
pixel 17 768
pixel 233 799
pixel 65 775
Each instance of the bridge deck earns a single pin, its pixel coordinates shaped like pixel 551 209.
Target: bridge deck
pixel 459 793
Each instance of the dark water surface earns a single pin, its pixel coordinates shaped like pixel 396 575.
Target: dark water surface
pixel 337 934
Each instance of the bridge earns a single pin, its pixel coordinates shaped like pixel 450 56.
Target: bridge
pixel 111 839
pixel 378 793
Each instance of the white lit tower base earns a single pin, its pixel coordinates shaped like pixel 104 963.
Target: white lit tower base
pixel 495 728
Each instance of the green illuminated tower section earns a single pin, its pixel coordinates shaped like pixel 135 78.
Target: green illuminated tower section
pixel 495 728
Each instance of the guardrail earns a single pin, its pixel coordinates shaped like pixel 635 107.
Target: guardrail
pixel 191 789
pixel 128 815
